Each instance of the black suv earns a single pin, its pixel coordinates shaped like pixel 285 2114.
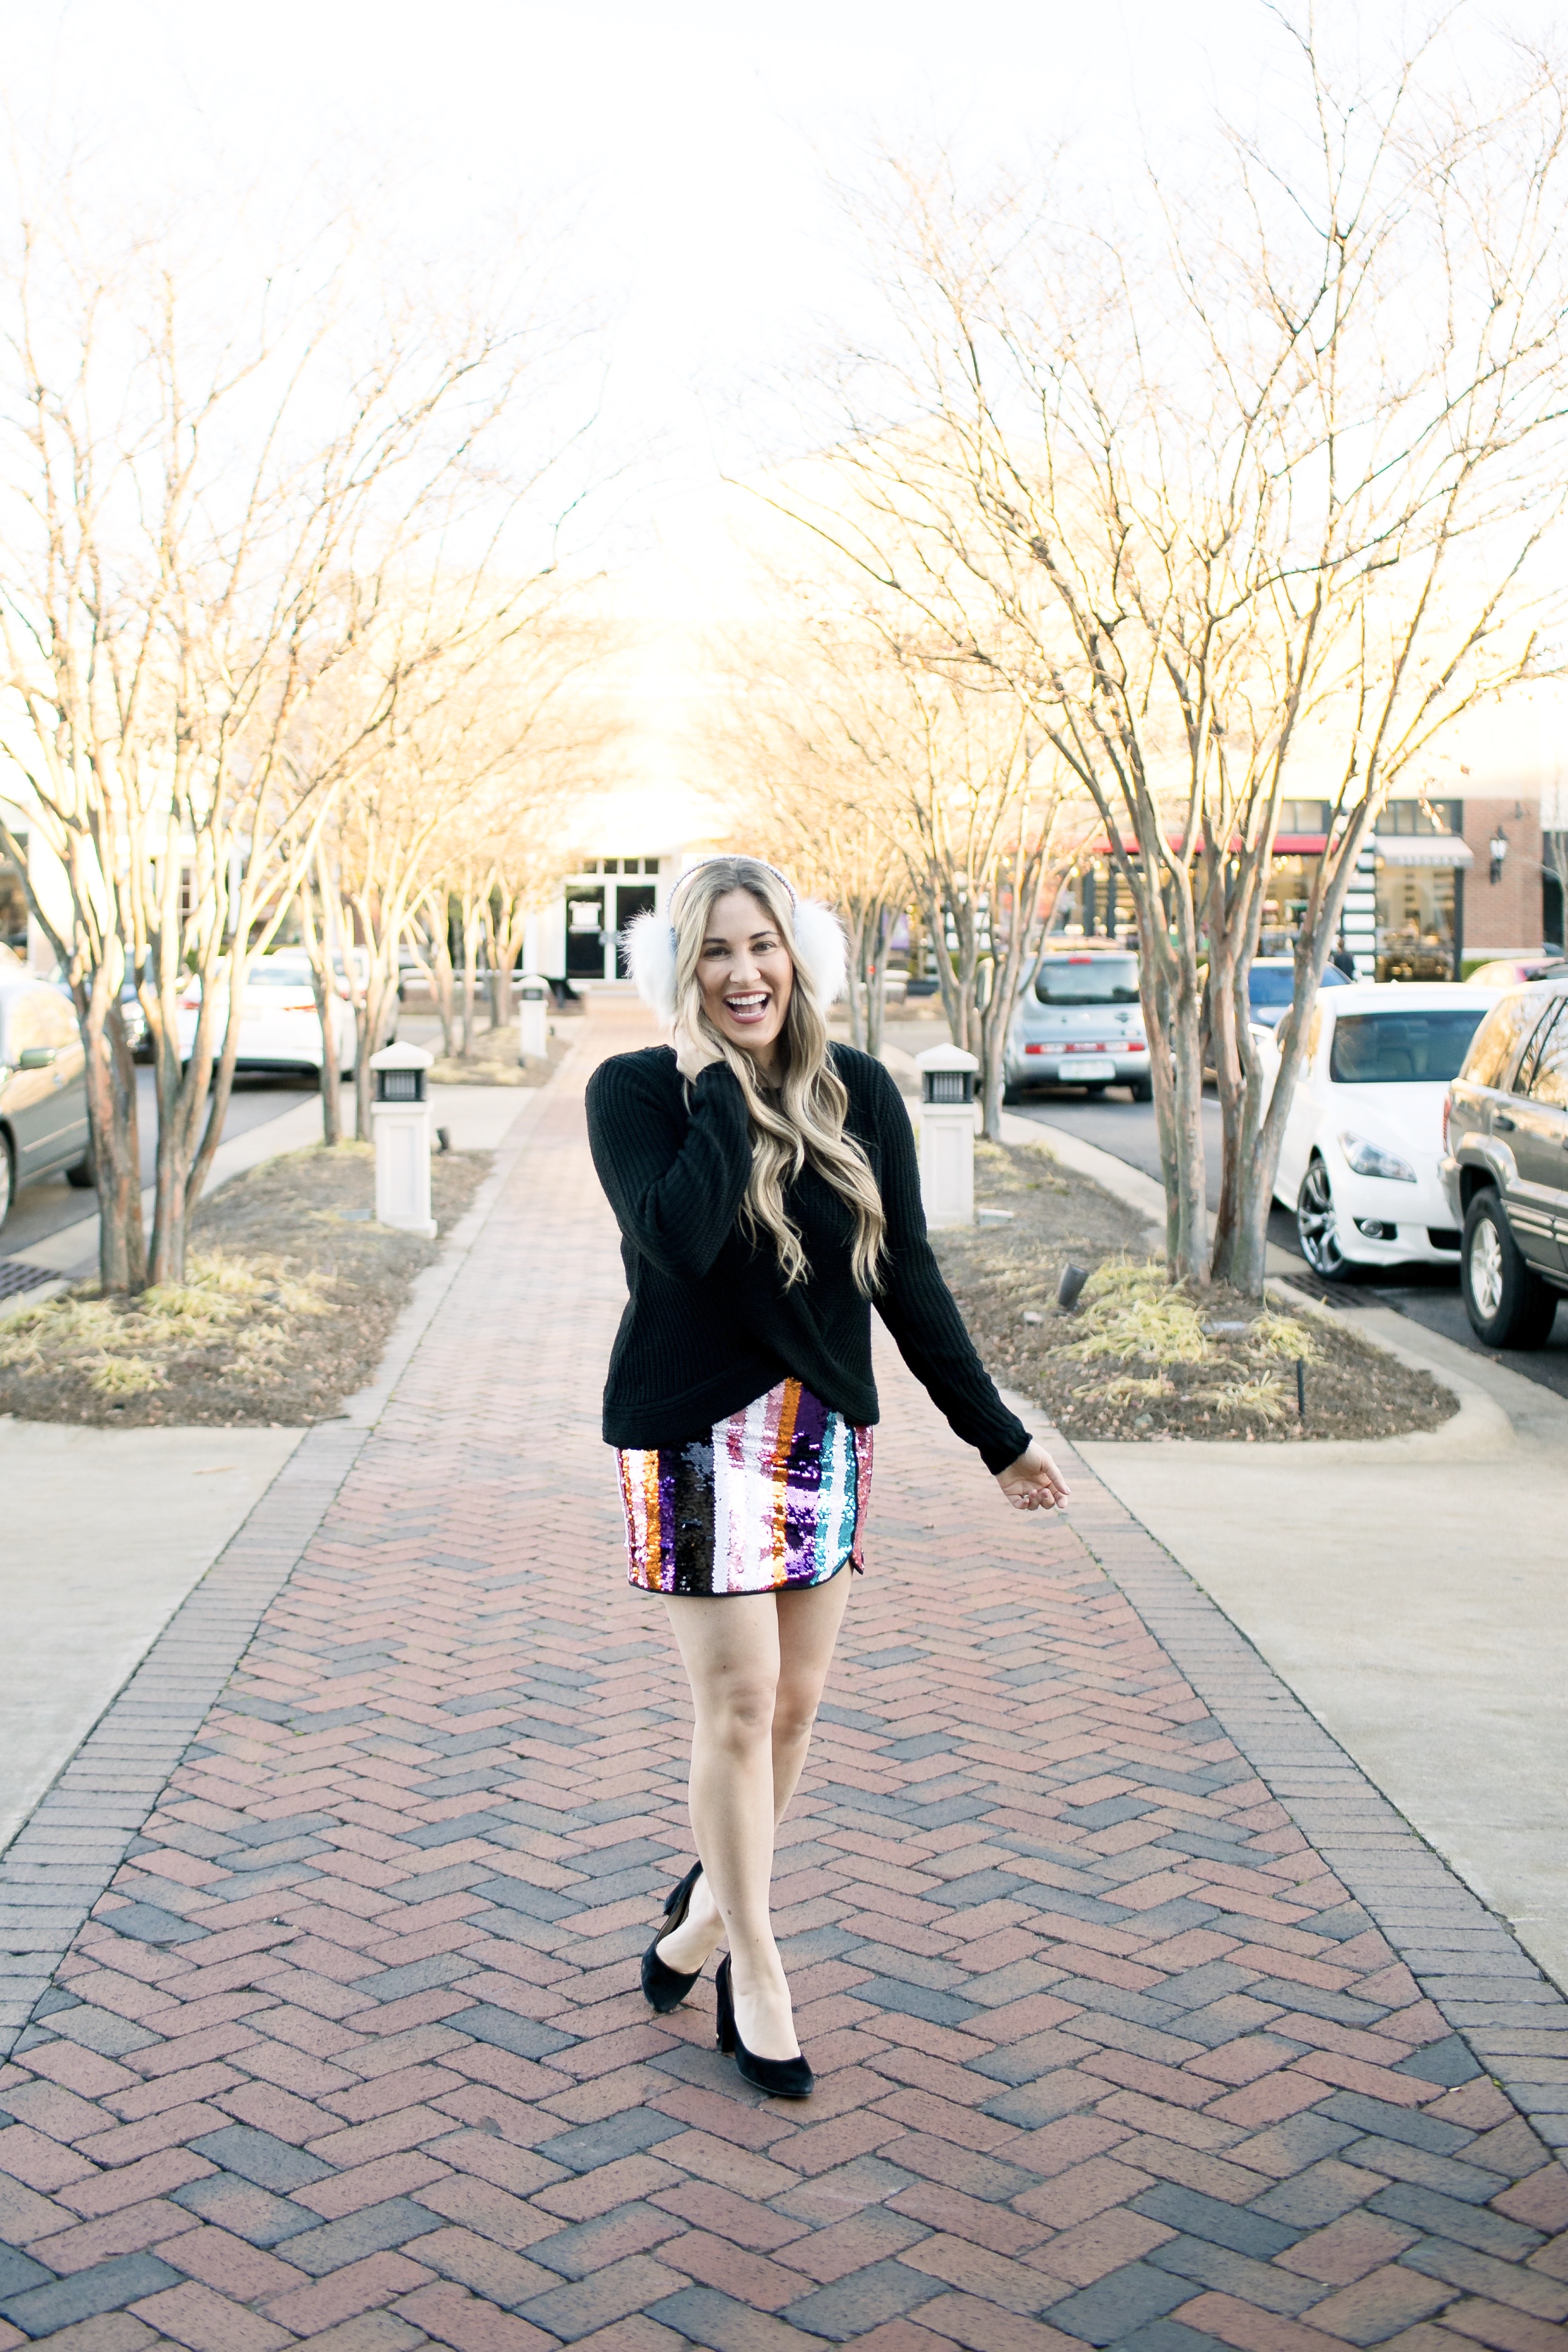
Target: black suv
pixel 1505 1168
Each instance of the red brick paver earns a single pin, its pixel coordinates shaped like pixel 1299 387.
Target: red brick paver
pixel 353 2052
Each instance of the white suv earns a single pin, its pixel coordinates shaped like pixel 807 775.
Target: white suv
pixel 1360 1160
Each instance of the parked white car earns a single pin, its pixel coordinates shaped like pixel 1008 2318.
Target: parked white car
pixel 279 1029
pixel 1365 1138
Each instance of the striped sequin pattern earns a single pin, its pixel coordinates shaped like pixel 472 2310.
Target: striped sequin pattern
pixel 773 1498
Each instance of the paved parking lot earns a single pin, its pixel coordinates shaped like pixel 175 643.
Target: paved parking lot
pixel 1139 2019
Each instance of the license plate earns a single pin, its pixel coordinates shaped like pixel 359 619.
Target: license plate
pixel 1073 1069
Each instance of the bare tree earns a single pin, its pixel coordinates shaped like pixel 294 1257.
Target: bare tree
pixel 890 779
pixel 201 524
pixel 1235 497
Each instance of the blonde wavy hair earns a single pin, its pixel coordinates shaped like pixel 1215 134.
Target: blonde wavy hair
pixel 802 1118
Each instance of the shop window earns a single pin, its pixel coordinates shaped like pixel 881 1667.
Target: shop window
pixel 1416 923
pixel 1290 883
pixel 13 909
pixel 1420 816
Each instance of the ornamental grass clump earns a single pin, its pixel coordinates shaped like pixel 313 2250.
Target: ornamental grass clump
pixel 1131 1313
pixel 236 1309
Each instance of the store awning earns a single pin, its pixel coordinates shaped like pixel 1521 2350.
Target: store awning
pixel 1422 849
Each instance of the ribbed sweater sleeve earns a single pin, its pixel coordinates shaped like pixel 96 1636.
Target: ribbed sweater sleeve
pixel 919 1311
pixel 675 1195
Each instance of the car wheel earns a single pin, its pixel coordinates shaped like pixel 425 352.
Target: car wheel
pixel 1506 1302
pixel 1143 1090
pixel 7 1178
pixel 84 1175
pixel 1317 1225
pixel 1093 1094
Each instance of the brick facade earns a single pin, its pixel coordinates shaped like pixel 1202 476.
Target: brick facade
pixel 1503 917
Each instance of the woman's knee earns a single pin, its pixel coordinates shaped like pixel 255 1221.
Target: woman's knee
pixel 739 1711
pixel 794 1715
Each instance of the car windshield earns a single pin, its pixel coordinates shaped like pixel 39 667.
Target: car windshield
pixel 1395 1049
pixel 1271 986
pixel 293 977
pixel 1087 979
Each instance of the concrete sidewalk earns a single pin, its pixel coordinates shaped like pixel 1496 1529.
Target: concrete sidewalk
pixel 1412 1592
pixel 107 1532
pixel 1140 2017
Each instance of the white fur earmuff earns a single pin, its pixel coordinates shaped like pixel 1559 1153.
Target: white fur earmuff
pixel 821 949
pixel 820 952
pixel 649 945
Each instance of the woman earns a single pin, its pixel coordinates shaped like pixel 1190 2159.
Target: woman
pixel 767 1191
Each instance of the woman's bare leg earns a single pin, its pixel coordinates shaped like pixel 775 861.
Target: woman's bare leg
pixel 809 1620
pixel 756 1665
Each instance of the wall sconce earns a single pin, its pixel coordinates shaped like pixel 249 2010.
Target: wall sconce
pixel 1498 847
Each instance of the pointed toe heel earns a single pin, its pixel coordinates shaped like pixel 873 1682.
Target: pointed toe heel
pixel 777 2078
pixel 665 1987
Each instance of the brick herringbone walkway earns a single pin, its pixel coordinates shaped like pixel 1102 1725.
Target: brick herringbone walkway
pixel 352 2053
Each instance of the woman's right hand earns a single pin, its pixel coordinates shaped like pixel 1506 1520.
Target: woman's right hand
pixel 694 1051
pixel 1034 1483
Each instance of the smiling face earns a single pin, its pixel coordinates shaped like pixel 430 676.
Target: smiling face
pixel 745 975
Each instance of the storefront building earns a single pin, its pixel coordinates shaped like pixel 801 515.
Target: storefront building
pixel 577 937
pixel 1442 885
pixel 1510 902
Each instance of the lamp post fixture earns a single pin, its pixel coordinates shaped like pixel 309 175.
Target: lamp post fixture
pixel 1497 848
pixel 533 1019
pixel 947 1135
pixel 401 1118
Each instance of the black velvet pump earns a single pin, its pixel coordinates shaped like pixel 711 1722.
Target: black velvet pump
pixel 781 2078
pixel 665 1987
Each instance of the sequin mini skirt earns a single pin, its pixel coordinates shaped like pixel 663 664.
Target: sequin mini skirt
pixel 773 1498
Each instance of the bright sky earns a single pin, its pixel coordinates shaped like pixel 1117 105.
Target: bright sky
pixel 699 137
pixel 694 142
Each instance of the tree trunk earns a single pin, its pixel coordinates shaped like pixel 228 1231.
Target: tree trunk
pixel 323 988
pixel 114 1137
pixel 492 956
pixel 371 1023
pixel 876 987
pixel 472 926
pixel 1246 1261
pixel 1226 1028
pixel 446 989
pixel 855 925
pixel 1172 1022
pixel 1007 967
pixel 508 949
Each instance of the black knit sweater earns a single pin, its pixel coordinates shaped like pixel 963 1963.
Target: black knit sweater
pixel 710 1324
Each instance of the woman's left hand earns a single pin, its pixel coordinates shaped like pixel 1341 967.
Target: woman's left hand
pixel 1034 1483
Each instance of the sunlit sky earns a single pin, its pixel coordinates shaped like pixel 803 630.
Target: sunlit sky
pixel 695 143
pixel 694 146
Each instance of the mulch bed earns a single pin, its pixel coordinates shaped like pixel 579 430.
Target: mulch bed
pixel 291 1292
pixel 494 1063
pixel 1140 1362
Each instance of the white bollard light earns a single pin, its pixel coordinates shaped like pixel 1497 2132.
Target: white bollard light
pixel 947 1135
pixel 402 1122
pixel 533 1019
